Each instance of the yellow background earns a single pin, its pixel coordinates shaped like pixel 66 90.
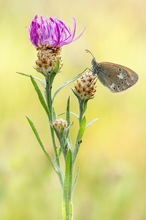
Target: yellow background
pixel 112 158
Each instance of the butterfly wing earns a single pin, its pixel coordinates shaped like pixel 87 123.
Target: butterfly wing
pixel 115 76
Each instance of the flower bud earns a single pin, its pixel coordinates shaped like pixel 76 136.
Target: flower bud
pixel 60 124
pixel 47 58
pixel 85 86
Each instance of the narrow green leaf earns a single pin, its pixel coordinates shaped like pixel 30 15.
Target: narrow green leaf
pixel 68 173
pixel 72 113
pixel 54 71
pixel 54 115
pixel 79 138
pixel 76 94
pixel 40 96
pixel 67 190
pixel 62 141
pixel 23 74
pixel 65 84
pixel 59 152
pixel 82 107
pixel 42 146
pixel 68 111
pixel 82 128
pixel 85 104
pixel 91 122
pixel 68 139
pixel 38 79
pixel 75 180
pixel 69 143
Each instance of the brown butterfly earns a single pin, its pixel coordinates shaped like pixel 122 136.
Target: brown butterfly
pixel 114 76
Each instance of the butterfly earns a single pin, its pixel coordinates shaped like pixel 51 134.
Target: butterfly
pixel 115 77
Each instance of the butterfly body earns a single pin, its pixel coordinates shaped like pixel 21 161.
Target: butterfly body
pixel 114 76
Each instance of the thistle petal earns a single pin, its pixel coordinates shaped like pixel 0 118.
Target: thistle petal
pixel 51 32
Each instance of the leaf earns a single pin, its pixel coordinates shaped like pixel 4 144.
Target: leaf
pixel 56 68
pixel 54 71
pixel 69 143
pixel 91 122
pixel 65 84
pixel 59 152
pixel 23 74
pixel 40 96
pixel 72 113
pixel 53 114
pixel 82 128
pixel 76 94
pixel 75 180
pixel 38 79
pixel 42 146
pixel 79 138
pixel 67 191
pixel 68 111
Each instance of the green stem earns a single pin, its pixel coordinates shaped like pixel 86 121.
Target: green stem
pixel 67 208
pixel 49 103
pixel 82 109
pixel 63 143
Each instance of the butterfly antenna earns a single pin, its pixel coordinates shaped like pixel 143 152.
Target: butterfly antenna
pixel 88 51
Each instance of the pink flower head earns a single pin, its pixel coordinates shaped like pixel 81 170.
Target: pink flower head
pixel 51 33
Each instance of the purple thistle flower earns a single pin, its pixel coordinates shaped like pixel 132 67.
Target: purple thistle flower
pixel 52 33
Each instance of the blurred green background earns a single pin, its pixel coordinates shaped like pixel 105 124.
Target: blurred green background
pixel 112 158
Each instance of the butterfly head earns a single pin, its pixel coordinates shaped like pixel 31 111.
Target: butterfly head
pixel 94 64
pixel 95 67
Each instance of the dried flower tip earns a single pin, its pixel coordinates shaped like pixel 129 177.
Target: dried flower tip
pixel 85 86
pixel 47 60
pixel 60 124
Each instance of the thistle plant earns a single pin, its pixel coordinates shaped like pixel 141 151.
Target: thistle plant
pixel 49 36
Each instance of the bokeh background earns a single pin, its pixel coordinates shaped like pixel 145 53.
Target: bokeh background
pixel 112 158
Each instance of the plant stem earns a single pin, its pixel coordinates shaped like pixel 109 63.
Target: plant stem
pixel 49 103
pixel 82 123
pixel 81 109
pixel 67 190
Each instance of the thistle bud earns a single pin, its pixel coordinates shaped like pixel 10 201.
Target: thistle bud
pixel 60 124
pixel 47 58
pixel 85 86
